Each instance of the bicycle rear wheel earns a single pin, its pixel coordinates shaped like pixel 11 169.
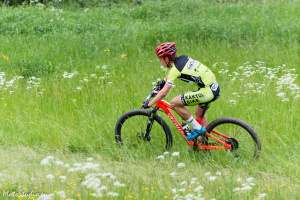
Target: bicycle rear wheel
pixel 242 138
pixel 131 131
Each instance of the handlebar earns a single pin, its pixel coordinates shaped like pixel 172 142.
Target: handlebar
pixel 153 93
pixel 158 86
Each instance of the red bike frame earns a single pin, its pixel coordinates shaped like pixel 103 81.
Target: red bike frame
pixel 214 135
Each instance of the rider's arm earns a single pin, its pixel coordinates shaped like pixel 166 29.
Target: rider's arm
pixel 161 94
pixel 172 75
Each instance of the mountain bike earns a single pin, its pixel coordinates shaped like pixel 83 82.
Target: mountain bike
pixel 146 127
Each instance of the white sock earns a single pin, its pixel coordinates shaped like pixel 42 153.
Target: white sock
pixel 195 125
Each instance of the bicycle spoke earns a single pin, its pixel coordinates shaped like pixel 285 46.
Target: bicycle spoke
pixel 240 136
pixel 240 141
pixel 141 132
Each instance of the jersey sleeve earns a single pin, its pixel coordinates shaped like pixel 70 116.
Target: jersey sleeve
pixel 172 75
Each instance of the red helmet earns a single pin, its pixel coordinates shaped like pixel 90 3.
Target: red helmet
pixel 166 49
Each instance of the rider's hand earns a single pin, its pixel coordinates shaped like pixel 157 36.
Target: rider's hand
pixel 146 104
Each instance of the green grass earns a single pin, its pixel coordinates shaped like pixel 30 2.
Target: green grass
pixel 56 118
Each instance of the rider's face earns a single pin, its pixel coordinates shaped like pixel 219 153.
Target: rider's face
pixel 165 61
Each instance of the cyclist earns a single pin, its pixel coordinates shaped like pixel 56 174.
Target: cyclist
pixel 188 70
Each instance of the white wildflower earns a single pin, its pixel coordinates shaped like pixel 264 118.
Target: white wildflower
pixel 173 190
pixel 110 175
pixel 246 188
pixel 33 82
pixel 97 194
pixel 237 189
pixel 62 178
pixel 252 184
pixel 47 160
pixel 182 190
pixel 104 67
pixel 207 174
pixel 112 194
pixel 193 180
pixel 262 195
pixel 4 176
pixel 189 197
pixel 83 167
pixel 223 71
pixel 175 154
pixel 69 75
pixel 198 189
pixel 102 188
pixel 232 101
pixel 281 94
pixel 10 83
pixel 173 174
pixel 91 183
pixel 212 178
pixel 183 183
pixel 250 179
pixel 89 159
pixel 66 165
pixel 50 177
pixel 160 157
pixel 58 163
pixel 119 184
pixel 46 197
pixel 180 165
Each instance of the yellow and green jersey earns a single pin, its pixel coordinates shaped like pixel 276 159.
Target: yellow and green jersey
pixel 190 70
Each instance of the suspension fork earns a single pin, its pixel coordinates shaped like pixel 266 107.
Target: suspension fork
pixel 150 121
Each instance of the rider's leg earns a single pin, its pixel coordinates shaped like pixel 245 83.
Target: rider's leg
pixel 200 117
pixel 201 96
pixel 180 109
pixel 185 114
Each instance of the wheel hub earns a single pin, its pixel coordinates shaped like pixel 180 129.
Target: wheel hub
pixel 233 143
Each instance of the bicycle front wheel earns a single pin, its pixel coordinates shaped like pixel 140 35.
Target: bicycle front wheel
pixel 135 129
pixel 244 141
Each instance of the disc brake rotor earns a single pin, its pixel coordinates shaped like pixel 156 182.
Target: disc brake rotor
pixel 233 142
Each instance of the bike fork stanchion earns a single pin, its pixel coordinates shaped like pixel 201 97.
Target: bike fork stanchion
pixel 150 121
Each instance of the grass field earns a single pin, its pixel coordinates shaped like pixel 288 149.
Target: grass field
pixel 66 75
